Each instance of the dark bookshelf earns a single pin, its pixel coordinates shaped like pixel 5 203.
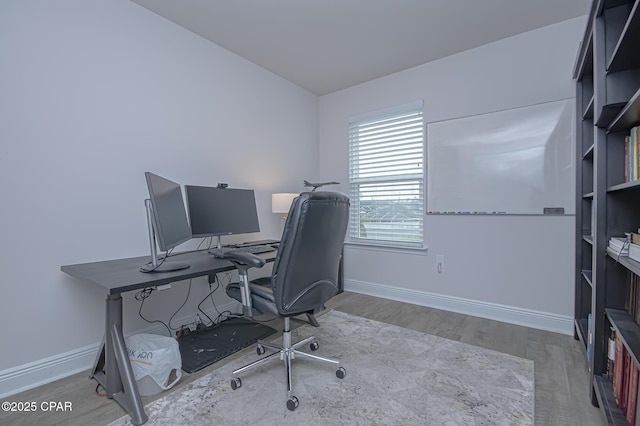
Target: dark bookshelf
pixel 607 75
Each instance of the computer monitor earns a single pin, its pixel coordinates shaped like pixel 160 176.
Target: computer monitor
pixel 168 224
pixel 215 211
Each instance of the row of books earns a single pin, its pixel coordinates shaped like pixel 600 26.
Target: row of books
pixel 624 372
pixel 631 156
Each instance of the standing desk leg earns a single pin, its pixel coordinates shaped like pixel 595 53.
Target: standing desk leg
pixel 118 378
pixel 131 397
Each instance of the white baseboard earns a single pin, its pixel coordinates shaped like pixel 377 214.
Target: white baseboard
pixel 47 370
pixel 41 372
pixel 509 314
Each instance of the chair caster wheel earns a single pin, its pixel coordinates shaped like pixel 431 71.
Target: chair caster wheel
pixel 292 403
pixel 314 346
pixel 260 350
pixel 236 383
pixel 341 372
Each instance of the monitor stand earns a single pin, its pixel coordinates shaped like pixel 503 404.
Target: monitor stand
pixel 157 265
pixel 163 266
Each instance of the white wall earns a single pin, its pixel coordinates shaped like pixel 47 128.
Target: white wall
pixel 92 95
pixel 514 268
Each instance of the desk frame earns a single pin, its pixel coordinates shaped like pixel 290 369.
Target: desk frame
pixel 112 368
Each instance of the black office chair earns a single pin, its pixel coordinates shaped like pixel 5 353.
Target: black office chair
pixel 304 277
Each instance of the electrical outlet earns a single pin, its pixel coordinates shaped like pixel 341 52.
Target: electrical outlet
pixel 440 263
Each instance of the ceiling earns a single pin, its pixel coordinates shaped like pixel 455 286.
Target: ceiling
pixel 328 45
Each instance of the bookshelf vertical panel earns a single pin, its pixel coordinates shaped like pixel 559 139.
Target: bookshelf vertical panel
pixel 609 200
pixel 600 239
pixel 584 187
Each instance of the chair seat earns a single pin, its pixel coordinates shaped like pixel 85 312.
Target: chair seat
pixel 262 298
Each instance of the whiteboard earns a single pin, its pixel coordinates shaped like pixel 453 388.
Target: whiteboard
pixel 517 161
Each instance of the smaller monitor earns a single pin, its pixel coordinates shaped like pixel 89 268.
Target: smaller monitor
pixel 215 211
pixel 168 221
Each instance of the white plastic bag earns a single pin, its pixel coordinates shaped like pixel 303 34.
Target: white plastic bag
pixel 156 362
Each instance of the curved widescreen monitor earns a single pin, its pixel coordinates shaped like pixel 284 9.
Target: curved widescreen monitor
pixel 169 215
pixel 217 211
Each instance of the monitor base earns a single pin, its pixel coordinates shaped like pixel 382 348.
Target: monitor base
pixel 164 267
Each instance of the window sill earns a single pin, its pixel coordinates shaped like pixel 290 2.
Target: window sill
pixel 416 251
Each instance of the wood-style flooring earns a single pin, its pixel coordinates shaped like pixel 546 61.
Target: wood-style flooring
pixel 561 376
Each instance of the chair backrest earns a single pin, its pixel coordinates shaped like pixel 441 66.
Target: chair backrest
pixel 305 272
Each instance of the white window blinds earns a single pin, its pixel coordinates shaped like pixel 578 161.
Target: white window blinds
pixel 386 176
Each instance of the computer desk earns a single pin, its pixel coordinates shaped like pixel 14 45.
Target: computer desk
pixel 112 368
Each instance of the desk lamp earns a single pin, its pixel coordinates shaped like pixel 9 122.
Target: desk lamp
pixel 280 203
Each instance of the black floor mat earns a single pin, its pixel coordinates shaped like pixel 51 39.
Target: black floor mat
pixel 201 348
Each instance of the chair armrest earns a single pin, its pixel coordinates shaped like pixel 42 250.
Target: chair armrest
pixel 243 262
pixel 248 260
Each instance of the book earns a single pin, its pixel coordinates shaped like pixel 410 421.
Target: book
pixel 633 394
pixel 611 354
pixel 617 371
pixel 627 163
pixel 625 381
pixel 589 343
pixel 635 147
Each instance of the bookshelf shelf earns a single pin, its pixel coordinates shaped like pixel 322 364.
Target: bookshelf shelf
pixel 607 75
pixel 629 116
pixel 608 113
pixel 588 112
pixel 587 276
pixel 625 261
pixel 628 330
pixel 589 153
pixel 633 185
pixel 604 393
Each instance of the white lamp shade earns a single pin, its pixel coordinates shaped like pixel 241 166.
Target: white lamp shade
pixel 281 202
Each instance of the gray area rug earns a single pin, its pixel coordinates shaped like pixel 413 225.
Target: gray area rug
pixel 395 376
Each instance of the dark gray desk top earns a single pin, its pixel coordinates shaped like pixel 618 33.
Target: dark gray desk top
pixel 122 275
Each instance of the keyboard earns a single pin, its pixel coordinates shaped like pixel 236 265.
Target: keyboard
pixel 220 252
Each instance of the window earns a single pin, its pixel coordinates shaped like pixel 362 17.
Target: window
pixel 386 177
